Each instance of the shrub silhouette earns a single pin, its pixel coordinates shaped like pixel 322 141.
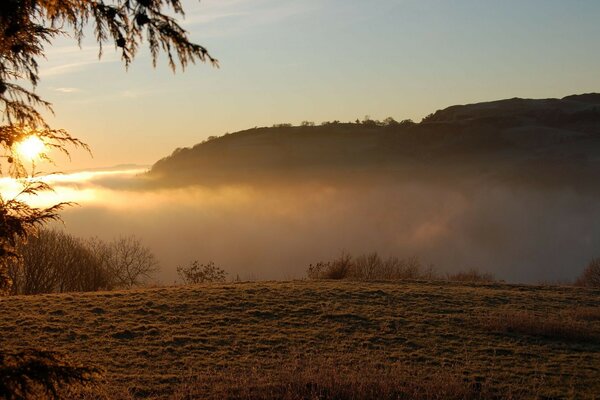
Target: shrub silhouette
pixel 590 277
pixel 56 262
pixel 471 275
pixel 201 273
pixel 366 267
pixel 340 268
pixel 371 267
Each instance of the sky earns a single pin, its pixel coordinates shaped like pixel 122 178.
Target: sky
pixel 318 60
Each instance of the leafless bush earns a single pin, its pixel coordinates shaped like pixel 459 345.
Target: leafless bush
pixel 315 271
pixel 340 268
pixel 590 277
pixel 371 267
pixel 408 268
pixel 367 267
pixel 472 275
pixel 201 273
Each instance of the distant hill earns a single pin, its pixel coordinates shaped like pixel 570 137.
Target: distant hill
pixel 545 141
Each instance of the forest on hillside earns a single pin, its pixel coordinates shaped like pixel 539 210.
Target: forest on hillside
pixel 549 142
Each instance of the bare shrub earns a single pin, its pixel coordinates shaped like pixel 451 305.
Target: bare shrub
pixel 366 267
pixel 560 326
pixel 315 271
pixel 590 277
pixel 471 275
pixel 371 267
pixel 201 273
pixel 397 269
pixel 340 268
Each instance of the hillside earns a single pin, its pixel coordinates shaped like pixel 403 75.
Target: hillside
pixel 499 340
pixel 548 141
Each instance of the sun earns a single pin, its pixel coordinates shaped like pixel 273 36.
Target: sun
pixel 31 147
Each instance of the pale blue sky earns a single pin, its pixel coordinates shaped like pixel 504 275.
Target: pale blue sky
pixel 295 60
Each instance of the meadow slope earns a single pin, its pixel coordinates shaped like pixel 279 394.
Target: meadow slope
pixel 151 342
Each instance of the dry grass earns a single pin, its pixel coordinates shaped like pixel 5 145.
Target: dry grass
pixel 322 378
pixel 328 380
pixel 231 338
pixel 566 326
pixel 585 314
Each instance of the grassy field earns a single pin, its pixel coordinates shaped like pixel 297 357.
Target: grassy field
pixel 217 341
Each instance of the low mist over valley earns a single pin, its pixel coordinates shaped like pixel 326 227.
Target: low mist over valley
pixel 509 187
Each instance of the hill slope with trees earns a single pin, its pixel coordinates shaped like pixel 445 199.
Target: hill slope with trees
pixel 547 141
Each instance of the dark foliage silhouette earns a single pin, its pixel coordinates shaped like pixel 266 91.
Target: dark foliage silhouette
pixel 39 374
pixel 26 28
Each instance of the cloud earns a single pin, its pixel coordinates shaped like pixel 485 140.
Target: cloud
pixel 227 18
pixel 67 90
pixel 68 59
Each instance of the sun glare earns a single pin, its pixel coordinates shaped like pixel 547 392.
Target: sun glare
pixel 31 148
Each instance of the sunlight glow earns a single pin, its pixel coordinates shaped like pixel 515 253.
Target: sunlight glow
pixel 31 148
pixel 82 187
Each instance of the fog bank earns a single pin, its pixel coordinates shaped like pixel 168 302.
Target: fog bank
pixel 274 232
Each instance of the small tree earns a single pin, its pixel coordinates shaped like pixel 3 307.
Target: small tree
pixel 128 261
pixel 201 273
pixel 590 277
